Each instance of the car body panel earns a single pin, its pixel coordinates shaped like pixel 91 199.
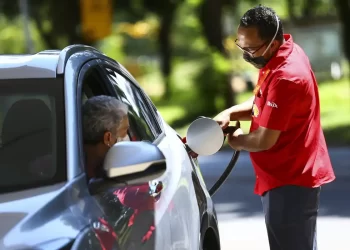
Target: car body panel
pixel 73 50
pixel 45 214
pixel 171 212
pixel 72 71
pixel 28 66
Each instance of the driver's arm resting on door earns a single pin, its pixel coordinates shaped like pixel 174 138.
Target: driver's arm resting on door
pixel 282 100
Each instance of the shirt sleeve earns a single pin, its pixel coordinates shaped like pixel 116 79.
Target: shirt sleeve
pixel 281 102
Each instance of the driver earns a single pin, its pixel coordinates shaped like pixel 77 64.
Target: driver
pixel 105 122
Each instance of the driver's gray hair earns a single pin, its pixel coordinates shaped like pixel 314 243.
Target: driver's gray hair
pixel 101 114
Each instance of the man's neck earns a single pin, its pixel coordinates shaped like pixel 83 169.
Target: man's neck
pixel 93 160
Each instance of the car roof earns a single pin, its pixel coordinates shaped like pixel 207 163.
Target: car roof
pixel 45 64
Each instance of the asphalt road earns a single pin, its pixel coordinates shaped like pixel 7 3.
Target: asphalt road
pixel 241 220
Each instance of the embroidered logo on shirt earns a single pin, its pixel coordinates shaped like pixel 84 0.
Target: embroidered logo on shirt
pixel 255 111
pixel 272 104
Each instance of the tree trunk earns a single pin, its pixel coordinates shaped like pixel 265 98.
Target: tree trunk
pixel 60 27
pixel 210 14
pixel 49 38
pixel 343 9
pixel 291 9
pixel 211 19
pixel 164 39
pixel 308 8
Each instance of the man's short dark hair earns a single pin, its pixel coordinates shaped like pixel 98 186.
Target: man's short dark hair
pixel 264 20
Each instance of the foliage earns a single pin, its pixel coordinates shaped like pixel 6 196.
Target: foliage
pixel 113 47
pixel 12 40
pixel 203 64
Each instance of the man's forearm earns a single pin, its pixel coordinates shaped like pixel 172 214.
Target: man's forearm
pixel 259 140
pixel 240 115
pixel 241 112
pixel 251 142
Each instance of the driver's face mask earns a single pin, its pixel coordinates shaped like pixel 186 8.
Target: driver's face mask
pixel 260 61
pixel 125 138
pixel 119 139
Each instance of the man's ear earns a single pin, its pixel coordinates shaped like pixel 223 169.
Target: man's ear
pixel 107 138
pixel 275 45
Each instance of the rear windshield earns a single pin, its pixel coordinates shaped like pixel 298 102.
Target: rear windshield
pixel 32 133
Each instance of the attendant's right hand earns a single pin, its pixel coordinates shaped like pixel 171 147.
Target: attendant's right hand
pixel 223 120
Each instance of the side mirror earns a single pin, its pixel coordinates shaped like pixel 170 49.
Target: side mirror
pixel 134 161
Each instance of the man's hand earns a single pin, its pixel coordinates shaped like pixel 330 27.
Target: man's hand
pixel 223 119
pixel 232 137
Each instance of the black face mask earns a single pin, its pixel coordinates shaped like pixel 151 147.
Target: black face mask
pixel 258 62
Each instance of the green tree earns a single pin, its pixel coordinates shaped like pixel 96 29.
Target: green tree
pixel 343 9
pixel 58 32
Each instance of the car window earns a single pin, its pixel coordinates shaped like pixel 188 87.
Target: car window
pixel 32 144
pixel 142 124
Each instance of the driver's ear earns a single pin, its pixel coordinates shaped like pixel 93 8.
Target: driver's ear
pixel 107 138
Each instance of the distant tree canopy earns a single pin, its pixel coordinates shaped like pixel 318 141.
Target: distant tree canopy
pixel 58 22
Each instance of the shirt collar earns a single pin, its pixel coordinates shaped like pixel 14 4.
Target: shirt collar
pixel 282 54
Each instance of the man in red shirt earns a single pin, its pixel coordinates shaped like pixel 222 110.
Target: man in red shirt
pixel 286 142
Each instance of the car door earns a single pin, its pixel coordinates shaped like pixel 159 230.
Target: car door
pixel 176 211
pixel 129 210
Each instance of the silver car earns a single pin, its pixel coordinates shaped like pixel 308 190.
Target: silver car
pixel 46 201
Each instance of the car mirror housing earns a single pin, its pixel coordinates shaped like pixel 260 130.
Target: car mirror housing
pixel 134 161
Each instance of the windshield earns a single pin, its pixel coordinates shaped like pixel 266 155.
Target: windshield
pixel 32 133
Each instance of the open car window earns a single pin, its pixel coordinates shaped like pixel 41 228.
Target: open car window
pixel 32 133
pixel 143 127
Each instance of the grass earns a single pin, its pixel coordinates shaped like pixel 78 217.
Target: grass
pixel 335 115
pixel 334 98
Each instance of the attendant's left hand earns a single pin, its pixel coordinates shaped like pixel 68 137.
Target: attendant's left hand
pixel 232 137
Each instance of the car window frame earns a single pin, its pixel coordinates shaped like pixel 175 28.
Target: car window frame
pixel 109 90
pixel 95 63
pixel 119 69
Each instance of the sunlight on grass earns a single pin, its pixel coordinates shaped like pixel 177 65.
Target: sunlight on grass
pixel 335 104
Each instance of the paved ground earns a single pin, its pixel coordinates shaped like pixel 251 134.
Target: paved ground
pixel 240 214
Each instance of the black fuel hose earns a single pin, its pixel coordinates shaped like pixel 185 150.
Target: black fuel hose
pixel 225 174
pixel 230 166
pixel 227 171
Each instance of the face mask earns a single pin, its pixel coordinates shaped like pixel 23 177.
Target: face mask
pixel 259 61
pixel 126 138
pixel 119 139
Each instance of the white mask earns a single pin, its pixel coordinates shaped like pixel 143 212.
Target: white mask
pixel 126 138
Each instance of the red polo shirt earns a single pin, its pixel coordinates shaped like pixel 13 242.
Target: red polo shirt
pixel 288 101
